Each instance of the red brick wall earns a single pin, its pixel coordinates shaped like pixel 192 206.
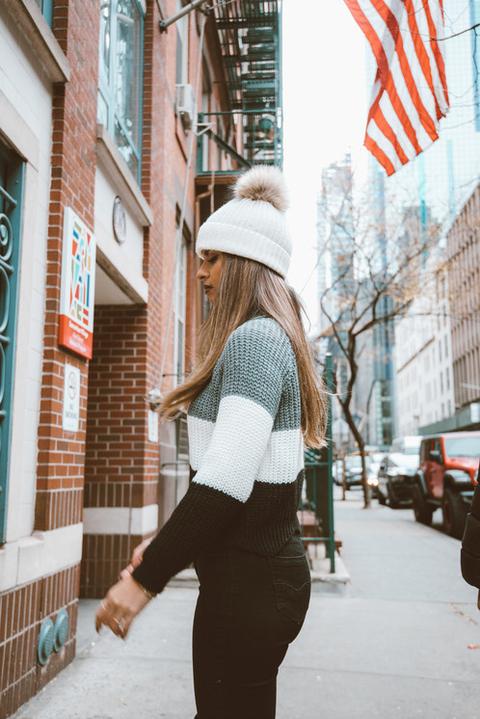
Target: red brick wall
pixel 61 455
pixel 22 612
pixel 60 466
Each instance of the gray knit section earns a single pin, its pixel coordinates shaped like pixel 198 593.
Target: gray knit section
pixel 257 362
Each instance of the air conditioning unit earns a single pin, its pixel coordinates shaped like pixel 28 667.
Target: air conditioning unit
pixel 185 105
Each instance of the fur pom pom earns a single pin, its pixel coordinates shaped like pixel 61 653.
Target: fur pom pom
pixel 263 182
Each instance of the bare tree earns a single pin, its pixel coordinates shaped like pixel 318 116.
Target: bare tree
pixel 378 273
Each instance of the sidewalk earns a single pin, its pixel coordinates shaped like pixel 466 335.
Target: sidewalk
pixel 393 644
pixel 149 675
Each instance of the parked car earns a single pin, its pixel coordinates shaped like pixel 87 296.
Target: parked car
pixel 353 470
pixel 338 472
pixel 446 478
pixel 395 478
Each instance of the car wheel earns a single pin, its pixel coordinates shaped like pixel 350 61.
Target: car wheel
pixel 454 513
pixel 422 510
pixel 392 502
pixel 380 497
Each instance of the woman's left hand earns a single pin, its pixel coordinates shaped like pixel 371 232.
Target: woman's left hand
pixel 120 606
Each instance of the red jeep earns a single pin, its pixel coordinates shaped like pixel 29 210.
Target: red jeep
pixel 446 478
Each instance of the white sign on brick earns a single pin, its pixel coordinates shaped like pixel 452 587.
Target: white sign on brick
pixel 71 398
pixel 152 426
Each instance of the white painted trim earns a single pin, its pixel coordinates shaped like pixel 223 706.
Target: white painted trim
pixel 40 554
pixel 122 177
pixel 32 25
pixel 120 520
pixel 18 133
pixel 129 282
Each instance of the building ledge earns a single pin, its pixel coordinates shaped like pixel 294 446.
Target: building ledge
pixel 467 418
pixel 133 286
pixel 122 177
pixel 35 29
pixel 43 552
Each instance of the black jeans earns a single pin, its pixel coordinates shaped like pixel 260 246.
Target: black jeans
pixel 248 611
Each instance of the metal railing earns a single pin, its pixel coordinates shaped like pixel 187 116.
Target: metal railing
pixel 258 135
pixel 316 505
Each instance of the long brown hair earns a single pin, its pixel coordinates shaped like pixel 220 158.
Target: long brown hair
pixel 248 288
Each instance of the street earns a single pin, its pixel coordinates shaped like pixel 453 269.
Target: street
pixel 394 643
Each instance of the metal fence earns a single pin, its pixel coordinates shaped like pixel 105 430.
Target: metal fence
pixel 316 504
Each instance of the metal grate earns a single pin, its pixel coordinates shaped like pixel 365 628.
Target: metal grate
pixel 11 170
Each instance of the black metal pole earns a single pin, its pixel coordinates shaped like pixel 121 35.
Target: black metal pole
pixel 165 24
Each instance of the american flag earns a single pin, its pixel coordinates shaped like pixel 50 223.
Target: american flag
pixel 410 92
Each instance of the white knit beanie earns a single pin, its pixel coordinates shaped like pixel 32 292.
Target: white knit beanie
pixel 253 223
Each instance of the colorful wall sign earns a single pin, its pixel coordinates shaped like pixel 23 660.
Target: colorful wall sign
pixel 75 330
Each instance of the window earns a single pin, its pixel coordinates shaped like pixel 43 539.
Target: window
pixel 463 447
pixel 180 307
pixel 121 76
pixel 182 47
pixel 46 7
pixel 11 175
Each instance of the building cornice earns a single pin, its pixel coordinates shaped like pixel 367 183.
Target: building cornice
pixel 37 32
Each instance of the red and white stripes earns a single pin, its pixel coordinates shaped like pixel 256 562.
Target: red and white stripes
pixel 410 90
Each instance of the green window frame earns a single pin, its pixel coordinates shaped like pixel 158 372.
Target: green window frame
pixel 11 188
pixel 46 7
pixel 120 92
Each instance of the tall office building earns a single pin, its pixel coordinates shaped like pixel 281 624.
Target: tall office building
pixel 432 188
pixel 335 274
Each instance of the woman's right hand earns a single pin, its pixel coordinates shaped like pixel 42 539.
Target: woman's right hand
pixel 137 557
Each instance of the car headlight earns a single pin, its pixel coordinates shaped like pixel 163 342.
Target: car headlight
pixel 373 481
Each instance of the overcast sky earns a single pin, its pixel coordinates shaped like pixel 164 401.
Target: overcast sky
pixel 325 105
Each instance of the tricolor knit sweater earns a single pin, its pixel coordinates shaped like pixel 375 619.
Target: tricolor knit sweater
pixel 246 451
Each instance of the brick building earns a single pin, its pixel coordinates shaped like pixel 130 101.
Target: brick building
pixel 460 288
pixel 105 175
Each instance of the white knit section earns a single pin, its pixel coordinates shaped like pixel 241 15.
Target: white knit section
pixel 239 440
pixel 283 458
pixel 199 435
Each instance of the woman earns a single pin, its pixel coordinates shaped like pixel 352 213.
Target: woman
pixel 252 401
pixel 470 552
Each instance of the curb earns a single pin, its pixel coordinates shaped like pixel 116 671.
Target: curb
pixel 321 571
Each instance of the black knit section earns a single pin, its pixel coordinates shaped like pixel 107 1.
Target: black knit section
pixel 207 519
pixel 268 518
pixel 202 517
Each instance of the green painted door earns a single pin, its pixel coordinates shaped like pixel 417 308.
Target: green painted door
pixel 11 177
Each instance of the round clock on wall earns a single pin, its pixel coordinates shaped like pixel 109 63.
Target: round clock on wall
pixel 119 219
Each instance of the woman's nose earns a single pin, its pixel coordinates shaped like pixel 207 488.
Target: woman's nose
pixel 201 274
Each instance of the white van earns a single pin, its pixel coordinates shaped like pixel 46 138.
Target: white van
pixel 407 445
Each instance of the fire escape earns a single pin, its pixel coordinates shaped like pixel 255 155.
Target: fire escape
pixel 248 131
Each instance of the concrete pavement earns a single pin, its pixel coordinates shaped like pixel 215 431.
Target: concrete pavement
pixel 393 643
